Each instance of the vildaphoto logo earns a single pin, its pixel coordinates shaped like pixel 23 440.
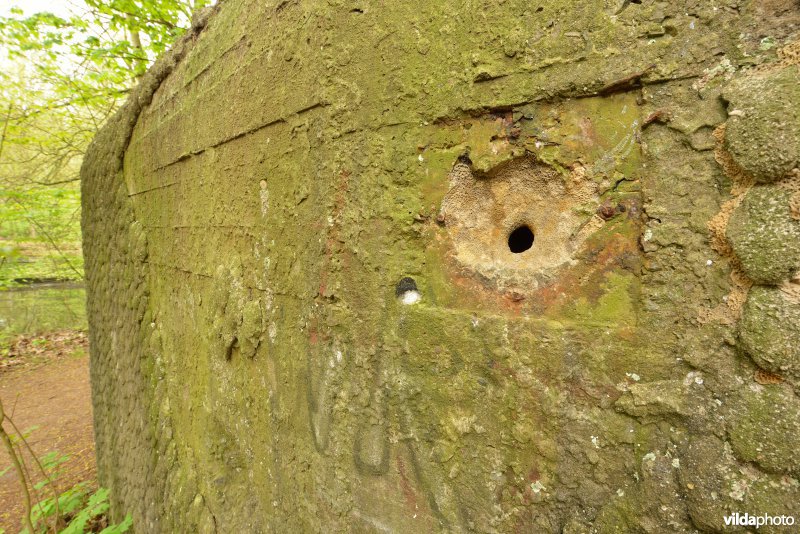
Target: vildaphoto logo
pixel 747 520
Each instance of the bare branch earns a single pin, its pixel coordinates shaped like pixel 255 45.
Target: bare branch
pixel 26 495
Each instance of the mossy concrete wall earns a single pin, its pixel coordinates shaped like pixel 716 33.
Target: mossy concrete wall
pixel 305 315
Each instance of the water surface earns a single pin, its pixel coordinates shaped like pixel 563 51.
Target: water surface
pixel 42 307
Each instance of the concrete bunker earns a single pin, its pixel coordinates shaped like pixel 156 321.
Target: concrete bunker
pixel 599 403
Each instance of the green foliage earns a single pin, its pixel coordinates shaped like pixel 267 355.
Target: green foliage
pixel 62 78
pixel 56 207
pixel 77 509
pixel 84 510
pixel 52 460
pixel 96 505
pixel 66 504
pixel 40 234
pixel 67 75
pixel 110 42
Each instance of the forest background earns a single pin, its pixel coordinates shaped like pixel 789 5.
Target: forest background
pixel 65 67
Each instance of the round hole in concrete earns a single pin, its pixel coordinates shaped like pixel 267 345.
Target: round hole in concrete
pixel 521 239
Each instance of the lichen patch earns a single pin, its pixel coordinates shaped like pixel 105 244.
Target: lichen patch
pixel 729 311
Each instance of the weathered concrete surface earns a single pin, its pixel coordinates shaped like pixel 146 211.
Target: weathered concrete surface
pixel 261 361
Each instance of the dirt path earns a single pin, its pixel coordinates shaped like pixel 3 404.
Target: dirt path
pixel 54 396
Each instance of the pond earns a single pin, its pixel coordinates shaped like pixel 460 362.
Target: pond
pixel 42 307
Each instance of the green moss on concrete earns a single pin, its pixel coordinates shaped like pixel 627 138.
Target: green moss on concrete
pixel 763 133
pixel 772 496
pixel 290 172
pixel 770 331
pixel 764 236
pixel 614 306
pixel 764 427
pixel 717 485
pixel 660 397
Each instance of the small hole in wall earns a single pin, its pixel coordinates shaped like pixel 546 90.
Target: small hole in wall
pixel 406 291
pixel 520 239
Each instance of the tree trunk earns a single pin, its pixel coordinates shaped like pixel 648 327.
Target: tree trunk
pixel 139 64
pixel 477 266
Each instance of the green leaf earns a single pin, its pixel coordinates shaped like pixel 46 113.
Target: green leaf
pixel 53 459
pixel 119 528
pixel 95 506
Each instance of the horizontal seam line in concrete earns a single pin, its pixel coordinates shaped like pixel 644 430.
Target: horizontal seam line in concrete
pixel 239 135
